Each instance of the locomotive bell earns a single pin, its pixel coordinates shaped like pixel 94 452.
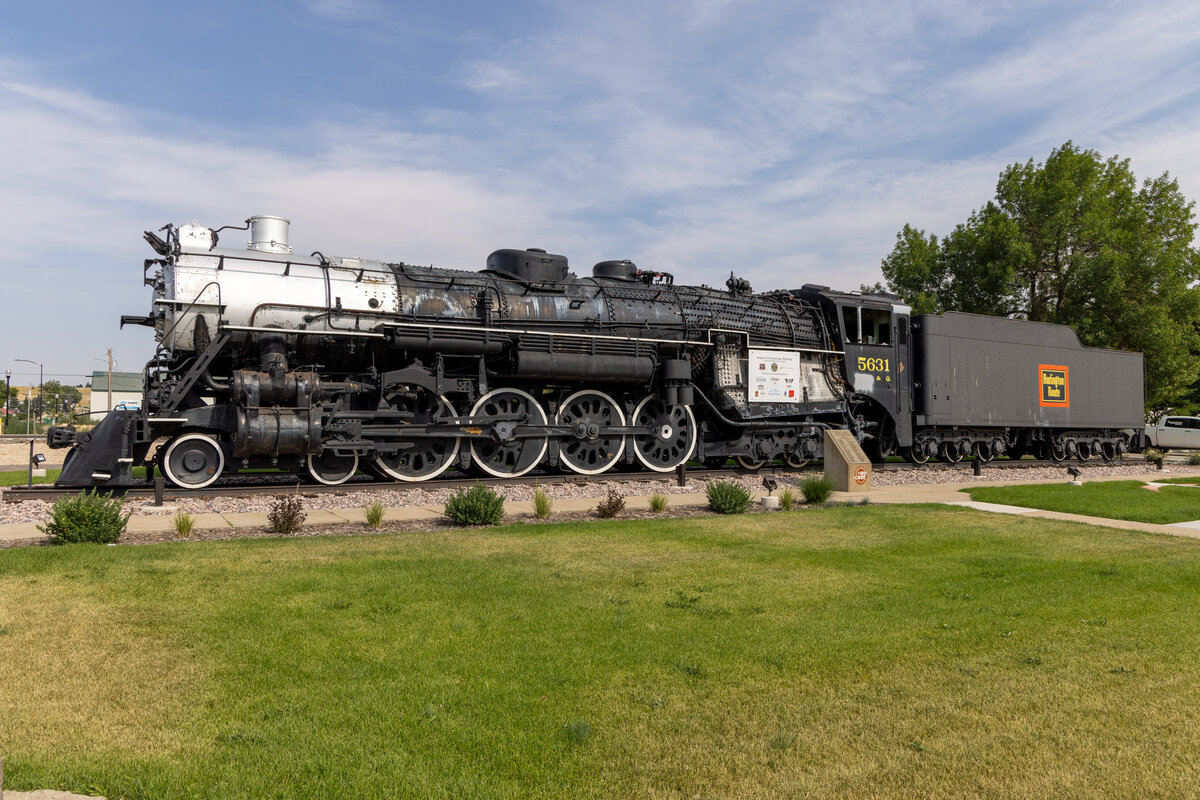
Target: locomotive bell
pixel 269 234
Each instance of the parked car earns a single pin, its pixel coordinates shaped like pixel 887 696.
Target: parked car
pixel 1175 433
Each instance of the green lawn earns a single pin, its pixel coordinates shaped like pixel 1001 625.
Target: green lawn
pixel 1109 499
pixel 842 652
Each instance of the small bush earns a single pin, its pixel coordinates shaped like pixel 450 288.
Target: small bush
pixel 87 517
pixel 286 514
pixel 184 523
pixel 1194 459
pixel 478 505
pixel 725 497
pixel 610 506
pixel 1152 454
pixel 578 731
pixel 542 504
pixel 816 489
pixel 787 498
pixel 374 514
pixel 658 502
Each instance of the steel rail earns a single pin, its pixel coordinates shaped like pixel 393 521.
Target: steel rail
pixel 269 484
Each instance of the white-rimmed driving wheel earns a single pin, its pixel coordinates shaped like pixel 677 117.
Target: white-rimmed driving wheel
pixel 429 456
pixel 750 462
pixel 672 435
pixel 588 450
pixel 331 469
pixel 506 455
pixel 193 461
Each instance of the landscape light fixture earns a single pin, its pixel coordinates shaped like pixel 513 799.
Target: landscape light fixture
pixel 770 484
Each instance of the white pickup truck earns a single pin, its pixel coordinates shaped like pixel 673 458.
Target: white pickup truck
pixel 1175 433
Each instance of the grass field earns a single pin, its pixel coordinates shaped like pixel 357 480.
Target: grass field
pixel 1109 499
pixel 845 652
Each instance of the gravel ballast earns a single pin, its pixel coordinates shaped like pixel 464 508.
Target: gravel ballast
pixel 38 510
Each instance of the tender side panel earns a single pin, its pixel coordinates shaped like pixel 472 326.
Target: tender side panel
pixel 988 371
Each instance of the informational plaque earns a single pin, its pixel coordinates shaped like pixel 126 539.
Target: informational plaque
pixel 774 376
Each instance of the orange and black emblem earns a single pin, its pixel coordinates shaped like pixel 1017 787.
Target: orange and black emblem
pixel 1054 385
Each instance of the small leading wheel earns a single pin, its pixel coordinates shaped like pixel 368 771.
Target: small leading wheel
pixel 331 469
pixel 193 461
pixel 796 461
pixel 983 452
pixel 746 462
pixel 506 455
pixel 588 450
pixel 671 438
pixel 950 452
pixel 429 456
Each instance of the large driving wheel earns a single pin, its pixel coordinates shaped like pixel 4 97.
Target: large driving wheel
pixel 331 469
pixel 588 450
pixel 507 456
pixel 883 444
pixel 671 438
pixel 193 461
pixel 429 456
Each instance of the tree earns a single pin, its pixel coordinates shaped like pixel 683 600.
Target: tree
pixel 1074 241
pixel 58 401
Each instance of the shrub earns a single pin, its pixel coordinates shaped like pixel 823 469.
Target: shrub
pixel 87 517
pixel 183 522
pixel 478 505
pixel 787 498
pixel 542 504
pixel 610 506
pixel 1194 459
pixel 374 514
pixel 286 514
pixel 816 489
pixel 725 497
pixel 1152 454
pixel 658 502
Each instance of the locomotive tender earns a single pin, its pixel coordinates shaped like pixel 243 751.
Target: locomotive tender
pixel 329 366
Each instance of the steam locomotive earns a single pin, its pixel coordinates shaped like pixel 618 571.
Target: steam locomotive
pixel 330 366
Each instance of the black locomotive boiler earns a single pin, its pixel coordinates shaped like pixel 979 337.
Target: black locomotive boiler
pixel 331 366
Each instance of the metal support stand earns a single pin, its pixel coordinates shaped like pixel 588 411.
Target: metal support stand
pixel 160 485
pixel 1158 463
pixel 977 467
pixel 681 474
pixel 30 472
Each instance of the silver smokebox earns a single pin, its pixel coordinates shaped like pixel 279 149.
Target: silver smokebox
pixel 269 234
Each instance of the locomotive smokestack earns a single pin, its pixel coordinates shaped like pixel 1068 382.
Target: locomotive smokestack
pixel 269 234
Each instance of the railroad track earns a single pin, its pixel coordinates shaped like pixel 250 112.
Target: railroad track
pixel 262 484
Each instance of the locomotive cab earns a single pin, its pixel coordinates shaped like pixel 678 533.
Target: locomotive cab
pixel 872 331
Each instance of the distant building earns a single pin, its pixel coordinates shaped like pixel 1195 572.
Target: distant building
pixel 126 392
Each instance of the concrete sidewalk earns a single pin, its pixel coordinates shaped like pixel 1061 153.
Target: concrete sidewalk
pixel 953 494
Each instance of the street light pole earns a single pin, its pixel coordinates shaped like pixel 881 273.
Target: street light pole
pixel 7 394
pixel 29 405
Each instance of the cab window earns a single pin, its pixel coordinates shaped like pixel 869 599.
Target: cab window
pixel 877 326
pixel 850 323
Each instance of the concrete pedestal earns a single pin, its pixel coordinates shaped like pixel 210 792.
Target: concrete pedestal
pixel 846 465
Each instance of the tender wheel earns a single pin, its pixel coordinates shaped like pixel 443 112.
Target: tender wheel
pixel 916 454
pixel 510 457
pixel 588 450
pixel 796 461
pixel 428 457
pixel 950 452
pixel 193 461
pixel 1054 451
pixel 983 452
pixel 1083 451
pixel 1108 451
pixel 330 468
pixel 746 462
pixel 672 436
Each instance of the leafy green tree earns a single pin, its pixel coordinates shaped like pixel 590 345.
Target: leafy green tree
pixel 59 401
pixel 1076 241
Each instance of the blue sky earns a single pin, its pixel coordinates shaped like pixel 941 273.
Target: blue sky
pixel 787 141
